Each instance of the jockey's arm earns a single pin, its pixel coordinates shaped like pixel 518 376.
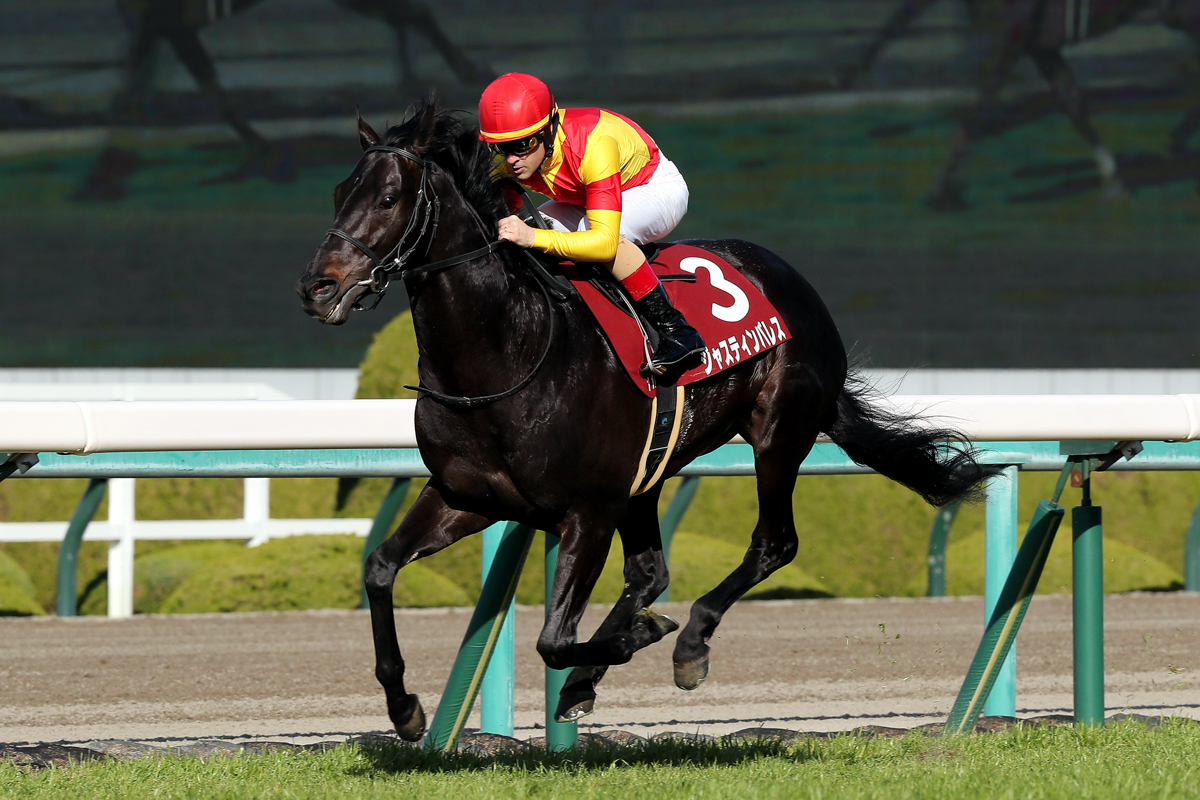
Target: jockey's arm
pixel 600 170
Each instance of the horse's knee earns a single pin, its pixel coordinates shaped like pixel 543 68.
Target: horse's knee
pixel 379 575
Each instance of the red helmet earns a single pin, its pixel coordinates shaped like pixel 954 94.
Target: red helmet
pixel 513 106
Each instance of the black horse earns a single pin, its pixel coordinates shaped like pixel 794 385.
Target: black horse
pixel 1039 29
pixel 554 430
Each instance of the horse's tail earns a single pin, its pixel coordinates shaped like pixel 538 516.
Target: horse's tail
pixel 936 463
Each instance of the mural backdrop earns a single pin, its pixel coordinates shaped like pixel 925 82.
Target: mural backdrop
pixel 978 183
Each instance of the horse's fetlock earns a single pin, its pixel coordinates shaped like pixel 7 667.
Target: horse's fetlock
pixel 390 675
pixel 555 654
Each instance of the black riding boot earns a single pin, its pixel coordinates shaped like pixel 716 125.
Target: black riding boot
pixel 678 340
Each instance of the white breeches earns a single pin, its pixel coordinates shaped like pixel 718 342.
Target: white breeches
pixel 648 212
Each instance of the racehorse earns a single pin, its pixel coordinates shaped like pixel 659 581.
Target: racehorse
pixel 1039 29
pixel 525 414
pixel 178 22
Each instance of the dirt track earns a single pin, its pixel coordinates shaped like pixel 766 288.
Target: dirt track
pixel 805 665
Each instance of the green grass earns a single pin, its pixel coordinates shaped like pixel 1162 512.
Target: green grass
pixel 1122 761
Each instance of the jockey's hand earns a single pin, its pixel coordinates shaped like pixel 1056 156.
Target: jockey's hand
pixel 512 229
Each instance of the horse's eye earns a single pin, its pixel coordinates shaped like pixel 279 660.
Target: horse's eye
pixel 388 201
pixel 357 180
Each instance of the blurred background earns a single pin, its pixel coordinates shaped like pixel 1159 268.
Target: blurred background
pixel 167 166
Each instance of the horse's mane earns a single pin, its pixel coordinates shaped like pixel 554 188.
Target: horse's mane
pixel 454 145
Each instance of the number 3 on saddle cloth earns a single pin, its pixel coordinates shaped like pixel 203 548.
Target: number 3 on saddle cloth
pixel 732 315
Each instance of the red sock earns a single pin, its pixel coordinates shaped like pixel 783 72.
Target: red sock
pixel 640 282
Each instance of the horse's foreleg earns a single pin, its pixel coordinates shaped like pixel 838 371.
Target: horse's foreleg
pixel 895 27
pixel 185 41
pixel 1183 16
pixel 429 526
pixel 419 15
pixel 994 71
pixel 645 579
pixel 1062 80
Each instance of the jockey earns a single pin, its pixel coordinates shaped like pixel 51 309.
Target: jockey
pixel 611 189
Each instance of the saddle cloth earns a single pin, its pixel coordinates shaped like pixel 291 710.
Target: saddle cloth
pixel 732 315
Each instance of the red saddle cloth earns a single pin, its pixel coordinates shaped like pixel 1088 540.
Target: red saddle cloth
pixel 732 315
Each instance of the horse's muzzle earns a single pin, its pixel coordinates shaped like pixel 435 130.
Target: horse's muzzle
pixel 321 298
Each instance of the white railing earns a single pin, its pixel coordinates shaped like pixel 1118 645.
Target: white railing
pixel 143 426
pixel 122 529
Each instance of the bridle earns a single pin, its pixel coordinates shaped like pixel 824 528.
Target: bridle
pixel 428 207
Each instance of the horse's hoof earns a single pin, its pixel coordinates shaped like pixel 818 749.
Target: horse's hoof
pixel 574 707
pixel 414 728
pixel 690 675
pixel 659 625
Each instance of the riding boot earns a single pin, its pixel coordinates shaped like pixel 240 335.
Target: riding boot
pixel 677 340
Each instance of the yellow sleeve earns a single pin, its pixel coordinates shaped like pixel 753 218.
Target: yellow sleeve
pixel 598 243
pixel 600 171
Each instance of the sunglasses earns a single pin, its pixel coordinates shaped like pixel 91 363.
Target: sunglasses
pixel 518 147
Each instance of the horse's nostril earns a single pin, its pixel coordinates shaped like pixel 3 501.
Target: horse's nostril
pixel 322 287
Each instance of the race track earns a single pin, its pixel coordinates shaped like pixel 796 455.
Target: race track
pixel 821 665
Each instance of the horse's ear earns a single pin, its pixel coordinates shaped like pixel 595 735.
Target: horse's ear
pixel 367 136
pixel 427 126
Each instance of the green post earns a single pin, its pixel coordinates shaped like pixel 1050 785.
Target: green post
pixel 381 527
pixel 1088 605
pixel 670 521
pixel 943 521
pixel 1191 554
pixel 559 735
pixel 495 601
pixel 498 689
pixel 68 551
pixel 1005 621
pixel 1000 546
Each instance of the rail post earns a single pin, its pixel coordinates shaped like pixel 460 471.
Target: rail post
pixel 935 557
pixel 1191 554
pixel 1087 596
pixel 680 502
pixel 68 552
pixel 1005 622
pixel 483 631
pixel 1000 534
pixel 384 518
pixel 559 735
pixel 121 514
pixel 497 693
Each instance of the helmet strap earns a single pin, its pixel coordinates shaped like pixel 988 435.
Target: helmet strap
pixel 551 135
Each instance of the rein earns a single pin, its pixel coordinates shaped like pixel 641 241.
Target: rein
pixel 428 206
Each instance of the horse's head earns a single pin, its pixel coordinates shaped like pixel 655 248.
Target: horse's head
pixel 381 214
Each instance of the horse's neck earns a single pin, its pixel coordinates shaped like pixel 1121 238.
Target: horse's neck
pixel 469 316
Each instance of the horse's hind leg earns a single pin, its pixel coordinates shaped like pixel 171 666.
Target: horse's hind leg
pixel 1058 74
pixel 781 442
pixel 429 526
pixel 1184 15
pixel 994 72
pixel 645 579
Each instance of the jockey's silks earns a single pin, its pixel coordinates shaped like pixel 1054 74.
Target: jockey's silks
pixel 597 155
